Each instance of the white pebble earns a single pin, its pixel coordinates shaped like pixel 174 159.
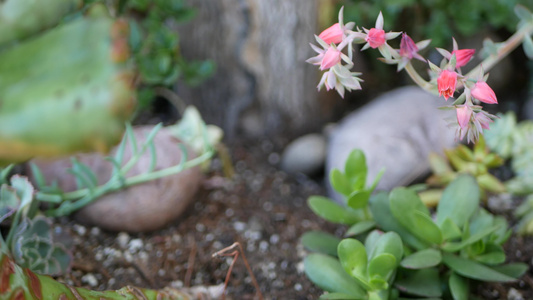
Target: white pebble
pixel 122 239
pixel 135 245
pixel 80 230
pixel 95 231
pixel 90 279
pixel 239 226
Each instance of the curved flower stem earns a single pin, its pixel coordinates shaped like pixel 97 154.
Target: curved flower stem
pixel 418 79
pixel 507 47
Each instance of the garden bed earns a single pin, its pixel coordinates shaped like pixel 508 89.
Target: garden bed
pixel 262 208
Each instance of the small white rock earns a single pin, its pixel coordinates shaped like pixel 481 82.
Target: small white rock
pixel 135 245
pixel 89 279
pixel 305 154
pixel 122 239
pixel 514 294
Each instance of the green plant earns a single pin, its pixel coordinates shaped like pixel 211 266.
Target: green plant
pixel 476 162
pixel 423 256
pixel 154 45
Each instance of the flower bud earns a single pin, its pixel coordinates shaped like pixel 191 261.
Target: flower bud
pixel 331 58
pixel 464 112
pixel 375 37
pixel 446 83
pixel 463 56
pixel 333 34
pixel 408 47
pixel 482 92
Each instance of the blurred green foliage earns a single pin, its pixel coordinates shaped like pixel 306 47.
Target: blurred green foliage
pixel 154 44
pixel 435 19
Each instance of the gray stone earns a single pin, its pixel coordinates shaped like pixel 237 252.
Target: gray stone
pixel 396 131
pixel 305 155
pixel 142 207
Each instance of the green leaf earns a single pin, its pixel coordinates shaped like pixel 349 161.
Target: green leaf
pixel 331 211
pixel 327 273
pixel 358 199
pixel 523 13
pixel 390 243
pixel 376 180
pixel 337 296
pixel 459 201
pixel 353 258
pixel 450 230
pixel 339 182
pixel 360 227
pixel 452 246
pixel 356 170
pixel 320 241
pixel 403 203
pixel 425 228
pixel 382 266
pixel 459 287
pixel 379 206
pixel 424 282
pixel 474 270
pixel 515 270
pixel 422 259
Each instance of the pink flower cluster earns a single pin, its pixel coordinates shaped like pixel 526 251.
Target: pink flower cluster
pixel 471 119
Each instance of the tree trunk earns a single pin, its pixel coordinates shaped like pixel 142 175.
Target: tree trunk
pixel 262 84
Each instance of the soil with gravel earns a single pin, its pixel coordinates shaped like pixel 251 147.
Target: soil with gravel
pixel 260 207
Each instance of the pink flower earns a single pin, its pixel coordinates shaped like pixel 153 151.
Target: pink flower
pixel 463 56
pixel 464 112
pixel 446 83
pixel 333 34
pixel 482 92
pixel 375 37
pixel 408 48
pixel 330 58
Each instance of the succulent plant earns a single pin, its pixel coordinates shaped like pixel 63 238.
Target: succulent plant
pixel 476 161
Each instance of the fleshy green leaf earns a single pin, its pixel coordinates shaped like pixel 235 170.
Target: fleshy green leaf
pixel 382 266
pixel 422 259
pixel 379 206
pixel 450 230
pixel 356 170
pixel 458 287
pixel 424 282
pixel 515 270
pixel 358 199
pixel 528 46
pixel 327 273
pixel 321 242
pixel 339 182
pixel 390 243
pixel 360 227
pixel 452 247
pixel 425 228
pixel 331 211
pixel 474 270
pixel 353 258
pixel 459 201
pixel 337 296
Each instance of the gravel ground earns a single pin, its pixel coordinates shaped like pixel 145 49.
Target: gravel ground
pixel 263 209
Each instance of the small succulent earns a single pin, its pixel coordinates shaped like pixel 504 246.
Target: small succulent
pixel 476 161
pixel 413 253
pixel 30 239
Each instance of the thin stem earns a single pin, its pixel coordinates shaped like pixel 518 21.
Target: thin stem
pixel 421 82
pixel 507 47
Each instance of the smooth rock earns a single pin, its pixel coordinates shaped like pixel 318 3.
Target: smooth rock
pixel 396 131
pixel 305 154
pixel 138 208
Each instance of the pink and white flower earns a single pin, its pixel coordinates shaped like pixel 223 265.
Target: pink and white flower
pixel 446 83
pixel 482 92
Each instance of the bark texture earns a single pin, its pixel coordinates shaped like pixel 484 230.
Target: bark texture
pixel 262 84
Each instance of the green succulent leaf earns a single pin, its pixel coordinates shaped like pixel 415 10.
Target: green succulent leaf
pixel 338 296
pixel 426 229
pixel 422 259
pixel 493 255
pixel 360 227
pixel 389 243
pixel 328 274
pixel 358 199
pixel 355 169
pixel 459 287
pixel 339 182
pixel 331 211
pixel 379 206
pixel 450 230
pixel 515 270
pixel 382 266
pixel 456 246
pixel 321 242
pixel 474 270
pixel 424 283
pixel 459 201
pixel 353 258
